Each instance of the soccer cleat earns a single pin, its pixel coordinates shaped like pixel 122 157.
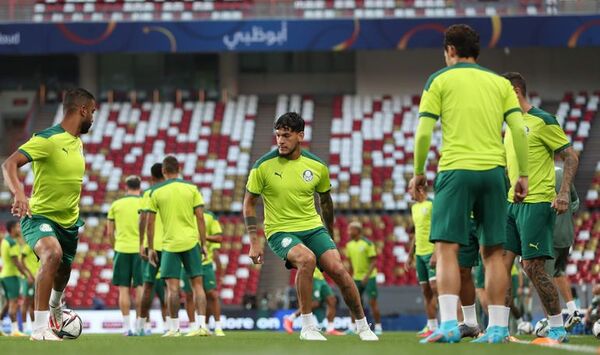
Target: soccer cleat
pixel 378 332
pixel 201 332
pixel 467 331
pixel 288 325
pixel 558 334
pixel 573 320
pixel 55 320
pixel 219 332
pixel 425 334
pixel 366 334
pixel 311 332
pixel 17 334
pixel 335 332
pixel 448 332
pixel 172 333
pixel 349 331
pixel 45 334
pixel 494 335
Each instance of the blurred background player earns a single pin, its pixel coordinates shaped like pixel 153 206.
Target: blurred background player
pixel 564 236
pixel 471 102
pixel 12 269
pixel 30 261
pixel 180 207
pixel 152 283
pixel 214 238
pixel 123 233
pixel 322 294
pixel 362 254
pixel 422 250
pixel 50 220
pixel 287 179
pixel 530 225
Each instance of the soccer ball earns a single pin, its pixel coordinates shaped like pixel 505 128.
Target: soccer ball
pixel 596 329
pixel 541 328
pixel 525 328
pixel 72 325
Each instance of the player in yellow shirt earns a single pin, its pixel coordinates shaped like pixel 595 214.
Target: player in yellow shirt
pixel 530 225
pixel 180 207
pixel 32 264
pixel 123 234
pixel 287 179
pixel 50 219
pixel 422 251
pixel 12 269
pixel 472 103
pixel 214 237
pixel 152 285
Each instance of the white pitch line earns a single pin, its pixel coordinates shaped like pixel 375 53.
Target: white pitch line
pixel 588 349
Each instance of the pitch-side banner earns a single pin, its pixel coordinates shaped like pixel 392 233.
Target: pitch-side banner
pixel 292 35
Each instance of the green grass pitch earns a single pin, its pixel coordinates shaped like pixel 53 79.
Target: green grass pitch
pixel 244 343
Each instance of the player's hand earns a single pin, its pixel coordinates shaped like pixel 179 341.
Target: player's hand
pixel 561 202
pixel 365 280
pixel 409 263
pixel 20 207
pixel 256 253
pixel 153 257
pixel 417 184
pixel 521 189
pixel 143 253
pixel 433 261
pixel 203 251
pixel 30 280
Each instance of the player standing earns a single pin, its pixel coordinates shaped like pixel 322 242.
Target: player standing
pixel 127 264
pixel 287 179
pixel 472 103
pixel 530 225
pixel 12 269
pixel 180 206
pixel 50 219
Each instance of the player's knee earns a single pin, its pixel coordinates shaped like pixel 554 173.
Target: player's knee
pixel 337 272
pixel 307 260
pixel 51 257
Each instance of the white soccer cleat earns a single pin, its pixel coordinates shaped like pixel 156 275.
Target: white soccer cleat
pixel 44 334
pixel 55 320
pixel 366 334
pixel 311 333
pixel 172 333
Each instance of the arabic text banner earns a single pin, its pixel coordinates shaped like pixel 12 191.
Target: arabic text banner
pixel 292 35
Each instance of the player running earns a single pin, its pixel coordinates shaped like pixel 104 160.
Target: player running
pixel 152 284
pixel 471 103
pixel 50 219
pixel 12 269
pixel 530 225
pixel 287 179
pixel 423 251
pixel 179 204
pixel 127 264
pixel 362 254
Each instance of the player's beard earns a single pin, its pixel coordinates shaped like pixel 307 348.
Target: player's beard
pixel 85 127
pixel 290 151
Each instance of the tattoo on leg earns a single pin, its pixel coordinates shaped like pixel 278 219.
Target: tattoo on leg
pixel 544 285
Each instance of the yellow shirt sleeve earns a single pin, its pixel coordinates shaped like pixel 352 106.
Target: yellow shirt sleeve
pixel 255 183
pixel 324 183
pixel 215 227
pixel 14 250
pixel 198 200
pixel 111 212
pixel 152 207
pixel 554 138
pixel 37 148
pixel 372 251
pixel 431 101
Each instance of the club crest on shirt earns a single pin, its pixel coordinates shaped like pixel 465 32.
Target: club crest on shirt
pixel 286 242
pixel 526 130
pixel 45 227
pixel 307 175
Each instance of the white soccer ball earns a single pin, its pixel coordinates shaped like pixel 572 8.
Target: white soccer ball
pixel 72 325
pixel 541 328
pixel 596 329
pixel 525 328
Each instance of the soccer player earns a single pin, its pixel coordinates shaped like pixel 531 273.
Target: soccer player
pixel 12 269
pixel 180 207
pixel 50 219
pixel 31 263
pixel 362 254
pixel 322 293
pixel 152 285
pixel 564 236
pixel 127 265
pixel 287 179
pixel 423 251
pixel 471 103
pixel 214 237
pixel 530 225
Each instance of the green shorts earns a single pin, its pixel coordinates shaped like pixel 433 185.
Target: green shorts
pixel 370 288
pixel 317 240
pixel 159 290
pixel 27 290
pixel 557 267
pixel 127 269
pixel 530 229
pixel 460 192
pixel 38 227
pixel 149 271
pixel 321 290
pixel 209 279
pixel 425 272
pixel 11 287
pixel 479 276
pixel 468 255
pixel 514 285
pixel 171 262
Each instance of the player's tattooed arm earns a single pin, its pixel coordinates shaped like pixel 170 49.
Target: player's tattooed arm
pixel 571 161
pixel 327 210
pixel 256 245
pixel 544 285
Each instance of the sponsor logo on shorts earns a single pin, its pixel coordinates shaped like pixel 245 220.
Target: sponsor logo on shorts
pixel 307 175
pixel 45 227
pixel 286 242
